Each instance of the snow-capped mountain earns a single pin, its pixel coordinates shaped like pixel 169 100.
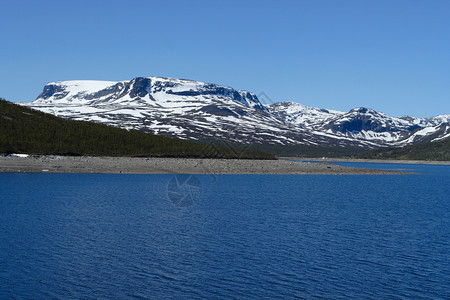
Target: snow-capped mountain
pixel 302 115
pixel 201 111
pixel 140 91
pixel 368 124
pixel 364 124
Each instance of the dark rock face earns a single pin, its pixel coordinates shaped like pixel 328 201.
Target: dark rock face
pixel 207 89
pixel 254 98
pixel 361 110
pixel 141 86
pixel 112 90
pixel 218 111
pixel 359 124
pixel 413 128
pixel 136 88
pixel 186 93
pixel 53 90
pixel 161 86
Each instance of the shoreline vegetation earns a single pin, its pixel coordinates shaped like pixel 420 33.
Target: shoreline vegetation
pixel 427 151
pixel 158 165
pixel 366 160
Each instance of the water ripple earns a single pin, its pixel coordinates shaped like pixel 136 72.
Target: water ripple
pixel 119 236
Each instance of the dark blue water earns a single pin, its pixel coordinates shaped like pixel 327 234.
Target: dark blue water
pixel 251 236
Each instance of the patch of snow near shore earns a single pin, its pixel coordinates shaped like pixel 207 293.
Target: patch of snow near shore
pixel 20 155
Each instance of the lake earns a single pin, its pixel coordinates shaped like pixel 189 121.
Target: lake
pixel 228 236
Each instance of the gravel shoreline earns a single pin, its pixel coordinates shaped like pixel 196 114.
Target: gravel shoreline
pixel 133 165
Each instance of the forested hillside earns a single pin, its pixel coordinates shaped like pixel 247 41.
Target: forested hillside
pixel 426 151
pixel 24 130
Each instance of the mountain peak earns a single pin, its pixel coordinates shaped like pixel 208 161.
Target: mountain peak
pixel 363 110
pixel 141 90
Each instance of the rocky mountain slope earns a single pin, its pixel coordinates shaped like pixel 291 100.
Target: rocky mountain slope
pixel 202 111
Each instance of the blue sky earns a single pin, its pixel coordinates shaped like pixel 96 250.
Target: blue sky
pixel 393 56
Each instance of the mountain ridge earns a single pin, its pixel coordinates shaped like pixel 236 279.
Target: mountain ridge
pixel 196 110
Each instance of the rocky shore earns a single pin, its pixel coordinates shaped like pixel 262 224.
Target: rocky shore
pixel 133 165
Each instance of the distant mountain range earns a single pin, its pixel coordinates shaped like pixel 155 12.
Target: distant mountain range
pixel 196 110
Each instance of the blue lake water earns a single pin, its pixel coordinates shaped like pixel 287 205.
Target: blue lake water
pixel 229 236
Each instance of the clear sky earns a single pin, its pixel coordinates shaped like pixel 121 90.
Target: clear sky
pixel 389 55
